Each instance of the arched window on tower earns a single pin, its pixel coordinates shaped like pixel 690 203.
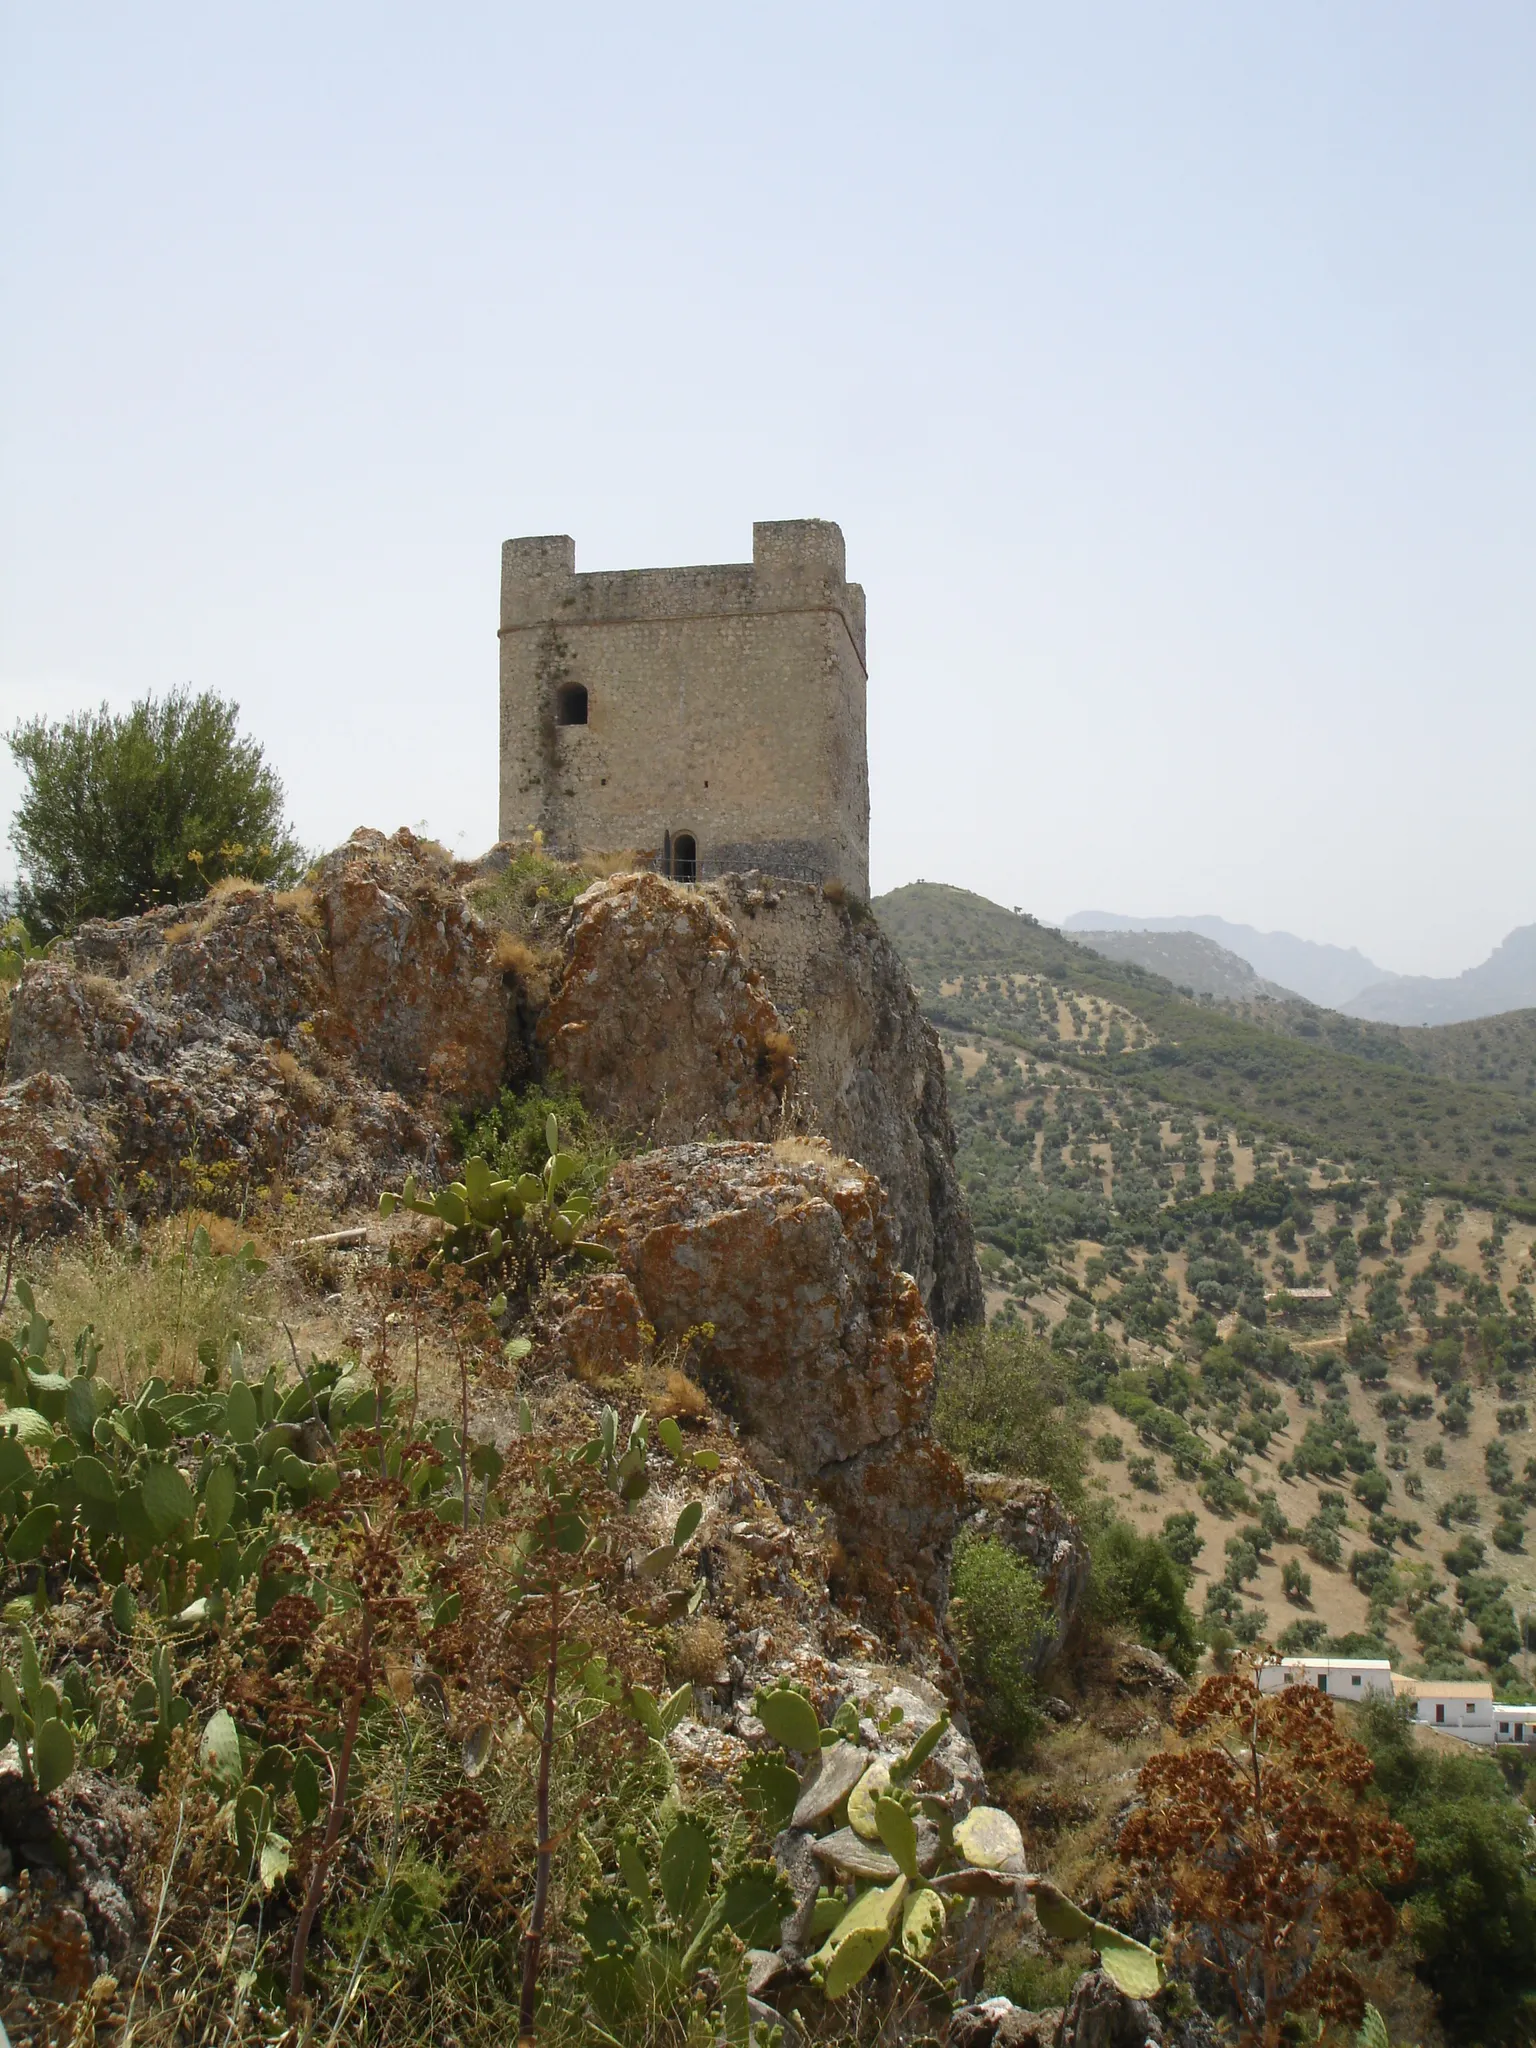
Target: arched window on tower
pixel 685 858
pixel 571 704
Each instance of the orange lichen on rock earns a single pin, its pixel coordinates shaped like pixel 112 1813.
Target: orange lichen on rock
pixel 821 1347
pixel 660 1018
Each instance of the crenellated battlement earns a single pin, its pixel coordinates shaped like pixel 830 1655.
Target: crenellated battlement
pixel 797 565
pixel 717 707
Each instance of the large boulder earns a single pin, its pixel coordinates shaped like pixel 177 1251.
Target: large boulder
pixel 419 996
pixel 817 1341
pixel 56 1165
pixel 660 1018
pixel 1100 2015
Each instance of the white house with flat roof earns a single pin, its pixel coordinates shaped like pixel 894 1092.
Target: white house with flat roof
pixel 1453 1706
pixel 1514 1724
pixel 1346 1678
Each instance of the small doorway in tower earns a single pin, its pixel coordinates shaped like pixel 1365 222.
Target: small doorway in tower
pixel 685 858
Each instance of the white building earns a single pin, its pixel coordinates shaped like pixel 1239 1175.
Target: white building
pixel 1453 1706
pixel 1346 1678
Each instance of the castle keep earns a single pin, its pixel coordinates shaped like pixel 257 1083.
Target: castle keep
pixel 704 720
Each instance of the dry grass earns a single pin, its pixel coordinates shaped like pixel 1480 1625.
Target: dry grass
pixel 309 1089
pixel 152 1308
pixel 698 1651
pixel 800 1150
pixel 602 867
pixel 780 1049
pixel 513 955
pixel 302 902
pixel 175 934
pixel 230 886
pixel 670 1392
pixel 834 891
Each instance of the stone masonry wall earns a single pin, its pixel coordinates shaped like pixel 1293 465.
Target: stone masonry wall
pixel 726 703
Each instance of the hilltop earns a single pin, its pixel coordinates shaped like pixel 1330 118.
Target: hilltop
pixel 1196 965
pixel 1506 980
pixel 1320 973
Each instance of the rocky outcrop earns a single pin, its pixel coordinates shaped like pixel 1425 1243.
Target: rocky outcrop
pixel 56 1165
pixel 1100 2015
pixel 323 1035
pixel 661 1020
pixel 319 1035
pixel 999 2023
pixel 1030 1520
pixel 416 993
pixel 745 1009
pixel 780 1265
pixel 72 1916
pixel 869 1073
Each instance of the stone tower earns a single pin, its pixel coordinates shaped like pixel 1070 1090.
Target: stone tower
pixel 704 720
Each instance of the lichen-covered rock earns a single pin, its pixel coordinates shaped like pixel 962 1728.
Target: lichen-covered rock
pixel 76 1846
pixel 55 1163
pixel 319 1034
pixel 418 996
pixel 660 1018
pixel 869 1073
pixel 1030 1520
pixel 820 1345
pixel 691 1013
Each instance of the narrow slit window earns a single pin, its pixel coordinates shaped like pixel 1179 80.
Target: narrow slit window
pixel 571 704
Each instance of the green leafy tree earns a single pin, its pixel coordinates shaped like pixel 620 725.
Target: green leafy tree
pixel 1472 1900
pixel 1004 1404
pixel 122 813
pixel 1138 1584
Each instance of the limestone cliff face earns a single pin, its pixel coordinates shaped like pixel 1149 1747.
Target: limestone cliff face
pixel 661 1020
pixel 817 1342
pixel 870 1071
pixel 747 1010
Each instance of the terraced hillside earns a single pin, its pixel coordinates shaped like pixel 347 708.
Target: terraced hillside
pixel 1348 1093
pixel 1292 1336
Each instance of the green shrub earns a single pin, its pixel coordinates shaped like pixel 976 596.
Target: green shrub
pixel 121 813
pixel 1296 1582
pixel 1004 1405
pixel 511 1137
pixel 1322 1541
pixel 1138 1584
pixel 1182 1540
pixel 1036 1983
pixel 999 1614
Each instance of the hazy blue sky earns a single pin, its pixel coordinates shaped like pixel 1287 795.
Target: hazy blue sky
pixel 1169 368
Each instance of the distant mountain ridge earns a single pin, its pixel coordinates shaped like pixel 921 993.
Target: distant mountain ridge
pixel 1331 975
pixel 1190 961
pixel 1506 980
